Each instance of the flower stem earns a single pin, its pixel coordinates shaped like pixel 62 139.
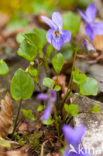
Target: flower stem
pixel 45 64
pixel 16 120
pixel 71 77
pixel 39 87
pixel 76 98
pixel 75 54
pixel 56 122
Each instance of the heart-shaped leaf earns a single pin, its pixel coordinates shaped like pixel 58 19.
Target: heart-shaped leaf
pixel 57 62
pixel 22 85
pixel 89 87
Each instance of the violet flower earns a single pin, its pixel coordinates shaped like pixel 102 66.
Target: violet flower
pixel 56 36
pixel 88 45
pixel 92 28
pixel 73 138
pixel 51 99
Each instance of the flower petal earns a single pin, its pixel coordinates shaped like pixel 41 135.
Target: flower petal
pixel 83 16
pixel 46 113
pixel 67 153
pixel 66 36
pixel 88 45
pixel 49 35
pixel 73 136
pixel 91 12
pixel 57 19
pixel 89 31
pixel 57 43
pixel 54 95
pixel 42 96
pixel 98 28
pixel 49 22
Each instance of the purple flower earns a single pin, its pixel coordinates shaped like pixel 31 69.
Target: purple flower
pixel 92 28
pixel 73 137
pixel 56 36
pixel 51 99
pixel 88 45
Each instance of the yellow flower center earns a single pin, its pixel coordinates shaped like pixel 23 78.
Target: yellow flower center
pixel 56 33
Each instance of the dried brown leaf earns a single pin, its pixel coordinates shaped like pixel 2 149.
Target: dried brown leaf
pixel 22 128
pixel 3 154
pixel 60 80
pixel 16 153
pixel 6 114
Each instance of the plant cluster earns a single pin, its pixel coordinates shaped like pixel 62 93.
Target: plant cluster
pixel 32 45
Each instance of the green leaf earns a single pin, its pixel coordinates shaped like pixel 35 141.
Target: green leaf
pixel 71 109
pixel 3 67
pixel 36 38
pixel 27 51
pixel 40 108
pixel 28 114
pixel 33 72
pixel 58 62
pixel 33 39
pixel 50 121
pixel 4 144
pixel 22 85
pixel 71 22
pixel 47 82
pixel 78 78
pixel 19 37
pixel 42 34
pixel 57 88
pixel 67 51
pixel 95 109
pixel 89 87
pixel 49 51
